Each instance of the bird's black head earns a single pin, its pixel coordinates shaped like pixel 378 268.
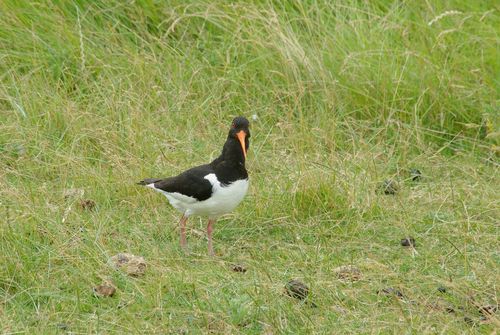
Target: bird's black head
pixel 240 131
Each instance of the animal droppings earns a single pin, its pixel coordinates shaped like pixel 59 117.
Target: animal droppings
pixel 239 268
pixel 132 265
pixel 441 289
pixel 104 290
pixel 87 204
pixel 348 273
pixel 296 289
pixel 408 242
pixel 389 187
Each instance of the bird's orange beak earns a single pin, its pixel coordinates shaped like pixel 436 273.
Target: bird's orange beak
pixel 241 136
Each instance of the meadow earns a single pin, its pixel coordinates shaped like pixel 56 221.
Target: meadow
pixel 342 96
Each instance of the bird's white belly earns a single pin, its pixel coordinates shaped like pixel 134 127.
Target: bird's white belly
pixel 223 200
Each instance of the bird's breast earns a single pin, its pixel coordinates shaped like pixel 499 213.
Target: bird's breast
pixel 226 197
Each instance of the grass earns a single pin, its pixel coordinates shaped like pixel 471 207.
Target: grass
pixel 97 95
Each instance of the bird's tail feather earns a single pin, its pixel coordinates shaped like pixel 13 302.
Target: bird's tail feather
pixel 148 181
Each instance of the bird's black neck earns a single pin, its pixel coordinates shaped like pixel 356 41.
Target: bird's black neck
pixel 232 152
pixel 230 165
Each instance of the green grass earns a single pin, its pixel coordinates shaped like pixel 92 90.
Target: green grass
pixel 98 95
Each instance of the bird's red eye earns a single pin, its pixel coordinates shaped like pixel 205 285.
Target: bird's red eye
pixel 233 125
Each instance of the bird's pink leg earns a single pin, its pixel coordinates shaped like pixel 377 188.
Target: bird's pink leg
pixel 183 231
pixel 210 228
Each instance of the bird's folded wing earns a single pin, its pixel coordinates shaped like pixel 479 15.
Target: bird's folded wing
pixel 191 183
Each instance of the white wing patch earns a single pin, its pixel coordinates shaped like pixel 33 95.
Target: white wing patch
pixel 212 178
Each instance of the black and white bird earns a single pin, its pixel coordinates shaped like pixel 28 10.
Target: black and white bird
pixel 212 189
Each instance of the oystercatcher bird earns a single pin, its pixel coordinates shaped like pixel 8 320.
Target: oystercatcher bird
pixel 212 189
